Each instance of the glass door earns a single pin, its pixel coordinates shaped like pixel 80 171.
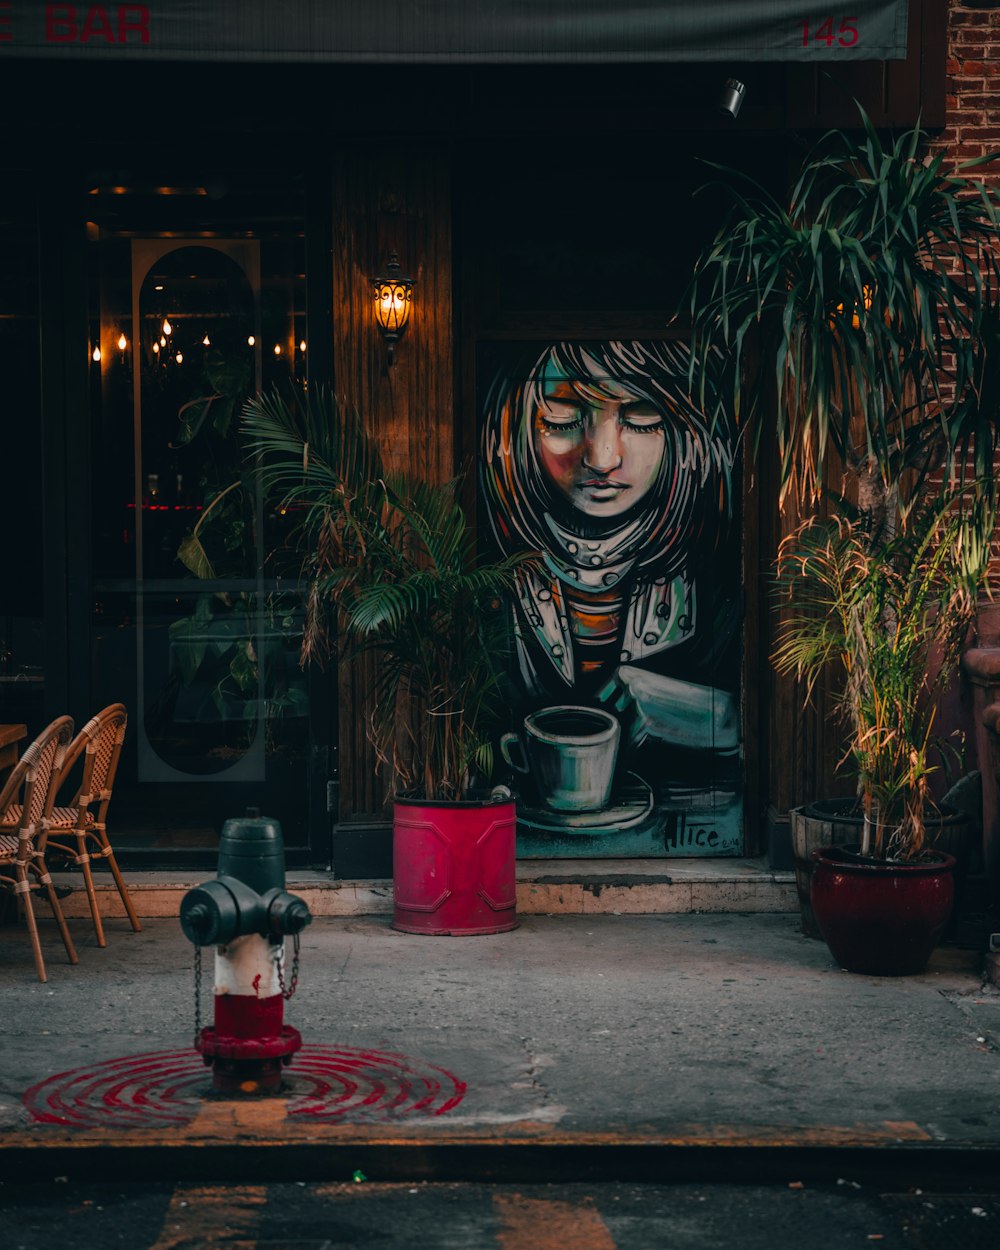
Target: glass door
pixel 196 619
pixel 22 616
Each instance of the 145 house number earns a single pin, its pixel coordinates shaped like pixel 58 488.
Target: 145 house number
pixel 831 30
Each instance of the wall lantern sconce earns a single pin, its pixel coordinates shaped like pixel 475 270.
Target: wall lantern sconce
pixel 393 295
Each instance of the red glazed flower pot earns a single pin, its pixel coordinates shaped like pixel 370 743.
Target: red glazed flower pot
pixel 880 918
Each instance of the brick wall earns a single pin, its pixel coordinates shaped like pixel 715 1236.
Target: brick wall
pixel 972 118
pixel 971 131
pixel 972 100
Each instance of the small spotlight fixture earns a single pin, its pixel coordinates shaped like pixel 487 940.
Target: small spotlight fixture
pixel 731 99
pixel 392 292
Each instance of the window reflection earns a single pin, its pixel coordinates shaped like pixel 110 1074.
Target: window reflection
pixel 193 627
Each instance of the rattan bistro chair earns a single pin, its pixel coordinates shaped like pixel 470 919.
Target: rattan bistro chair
pixel 23 870
pixel 78 831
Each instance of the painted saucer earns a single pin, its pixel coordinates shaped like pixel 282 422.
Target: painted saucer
pixel 631 802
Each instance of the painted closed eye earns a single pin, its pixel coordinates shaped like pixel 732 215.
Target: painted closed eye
pixel 560 416
pixel 643 418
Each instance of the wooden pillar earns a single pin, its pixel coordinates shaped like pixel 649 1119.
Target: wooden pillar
pixel 391 198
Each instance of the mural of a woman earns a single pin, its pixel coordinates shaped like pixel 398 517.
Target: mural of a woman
pixel 595 456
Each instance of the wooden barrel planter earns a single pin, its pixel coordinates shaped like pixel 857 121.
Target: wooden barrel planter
pixel 830 822
pixel 813 826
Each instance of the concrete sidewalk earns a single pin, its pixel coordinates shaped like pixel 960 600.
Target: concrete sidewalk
pixel 686 1031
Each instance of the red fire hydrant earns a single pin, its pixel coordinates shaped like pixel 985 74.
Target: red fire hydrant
pixel 246 914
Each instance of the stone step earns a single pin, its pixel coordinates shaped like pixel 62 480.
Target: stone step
pixel 544 887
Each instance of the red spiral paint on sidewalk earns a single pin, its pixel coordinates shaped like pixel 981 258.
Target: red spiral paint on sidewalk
pixel 335 1084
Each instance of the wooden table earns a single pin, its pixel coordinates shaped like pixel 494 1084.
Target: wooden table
pixel 10 738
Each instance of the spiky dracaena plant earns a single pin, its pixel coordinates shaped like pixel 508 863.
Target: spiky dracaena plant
pixel 861 315
pixel 389 563
pixel 892 613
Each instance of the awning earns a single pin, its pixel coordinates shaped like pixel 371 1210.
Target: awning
pixel 458 31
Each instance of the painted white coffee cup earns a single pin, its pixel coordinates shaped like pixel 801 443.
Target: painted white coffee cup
pixel 570 752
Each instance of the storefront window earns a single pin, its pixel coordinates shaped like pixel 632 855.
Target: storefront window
pixel 194 627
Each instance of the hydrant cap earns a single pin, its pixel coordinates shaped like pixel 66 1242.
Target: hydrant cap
pixel 252 849
pixel 286 913
pixel 198 922
pixel 209 914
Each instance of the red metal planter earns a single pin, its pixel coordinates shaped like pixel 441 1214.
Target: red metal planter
pixel 879 918
pixel 453 867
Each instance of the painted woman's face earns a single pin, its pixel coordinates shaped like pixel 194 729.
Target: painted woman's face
pixel 601 449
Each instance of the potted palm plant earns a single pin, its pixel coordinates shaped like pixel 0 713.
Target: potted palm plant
pixel 861 318
pixel 390 569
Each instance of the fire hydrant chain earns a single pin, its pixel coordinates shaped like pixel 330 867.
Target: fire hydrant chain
pixel 289 990
pixel 197 995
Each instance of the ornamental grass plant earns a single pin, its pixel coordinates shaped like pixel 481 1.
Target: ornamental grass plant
pixel 892 612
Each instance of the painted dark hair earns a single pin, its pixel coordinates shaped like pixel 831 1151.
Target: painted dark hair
pixel 691 500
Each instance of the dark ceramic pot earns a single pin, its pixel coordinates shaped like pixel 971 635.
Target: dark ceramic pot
pixel 879 918
pixel 833 822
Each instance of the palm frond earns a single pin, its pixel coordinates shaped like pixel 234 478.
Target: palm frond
pixel 391 569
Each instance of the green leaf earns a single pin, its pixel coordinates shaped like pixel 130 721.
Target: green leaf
pixel 228 375
pixel 188 646
pixel 192 417
pixel 192 555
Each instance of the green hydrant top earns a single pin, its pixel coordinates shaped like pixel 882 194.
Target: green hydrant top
pixel 252 849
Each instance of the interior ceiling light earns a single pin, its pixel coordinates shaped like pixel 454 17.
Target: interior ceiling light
pixel 731 100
